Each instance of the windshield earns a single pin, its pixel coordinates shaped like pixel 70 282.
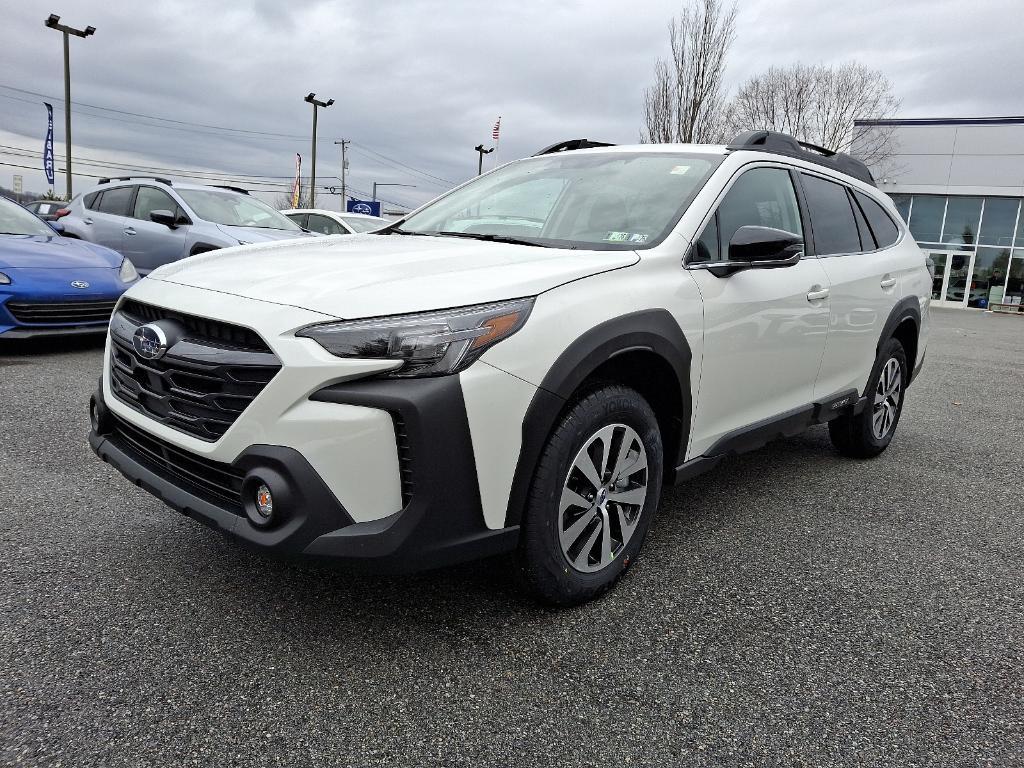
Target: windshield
pixel 222 206
pixel 363 225
pixel 601 201
pixel 15 220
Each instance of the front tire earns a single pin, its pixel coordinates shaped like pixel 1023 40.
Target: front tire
pixel 594 493
pixel 869 432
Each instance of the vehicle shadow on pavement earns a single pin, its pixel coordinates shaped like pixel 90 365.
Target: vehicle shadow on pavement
pixel 12 349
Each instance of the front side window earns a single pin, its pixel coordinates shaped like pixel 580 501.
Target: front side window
pixel 222 206
pixel 151 199
pixel 761 197
pixel 115 201
pixel 325 225
pixel 600 200
pixel 832 221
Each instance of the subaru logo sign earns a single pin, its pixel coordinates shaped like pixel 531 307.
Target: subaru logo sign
pixel 150 341
pixel 79 284
pixel 362 208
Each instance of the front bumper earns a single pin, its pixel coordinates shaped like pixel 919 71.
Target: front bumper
pixel 441 521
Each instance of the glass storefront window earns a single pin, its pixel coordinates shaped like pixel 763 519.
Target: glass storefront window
pixel 939 262
pixel 989 276
pixel 902 203
pixel 962 216
pixel 926 218
pixel 1015 285
pixel 997 221
pixel 1019 242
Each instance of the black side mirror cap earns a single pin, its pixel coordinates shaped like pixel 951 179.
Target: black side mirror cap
pixel 758 244
pixel 164 217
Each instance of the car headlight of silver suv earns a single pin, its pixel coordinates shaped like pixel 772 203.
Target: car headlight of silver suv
pixel 427 343
pixel 127 273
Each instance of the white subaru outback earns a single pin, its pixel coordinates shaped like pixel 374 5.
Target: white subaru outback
pixel 521 364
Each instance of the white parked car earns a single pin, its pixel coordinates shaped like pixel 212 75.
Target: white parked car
pixel 523 363
pixel 333 223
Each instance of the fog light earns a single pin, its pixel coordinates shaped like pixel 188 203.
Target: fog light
pixel 264 502
pixel 94 416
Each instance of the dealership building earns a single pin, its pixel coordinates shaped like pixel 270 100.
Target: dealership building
pixel 959 184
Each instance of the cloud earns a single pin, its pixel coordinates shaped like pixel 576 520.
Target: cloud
pixel 422 82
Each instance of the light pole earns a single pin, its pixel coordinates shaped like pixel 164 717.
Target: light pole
pixel 344 165
pixel 53 22
pixel 311 98
pixel 480 165
pixel 387 184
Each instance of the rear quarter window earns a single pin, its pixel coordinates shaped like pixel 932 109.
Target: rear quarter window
pixel 882 226
pixel 90 199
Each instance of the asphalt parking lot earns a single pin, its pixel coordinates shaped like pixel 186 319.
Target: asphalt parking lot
pixel 791 608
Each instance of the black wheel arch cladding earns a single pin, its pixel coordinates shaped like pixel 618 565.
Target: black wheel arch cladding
pixel 652 332
pixel 906 311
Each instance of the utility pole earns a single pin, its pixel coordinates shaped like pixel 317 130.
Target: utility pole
pixel 311 98
pixel 480 166
pixel 344 166
pixel 53 22
pixel 387 184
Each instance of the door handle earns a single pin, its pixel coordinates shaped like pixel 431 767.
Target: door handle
pixel 87 221
pixel 817 293
pixel 129 230
pixel 888 281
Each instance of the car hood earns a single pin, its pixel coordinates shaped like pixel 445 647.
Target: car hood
pixel 260 234
pixel 353 276
pixel 43 252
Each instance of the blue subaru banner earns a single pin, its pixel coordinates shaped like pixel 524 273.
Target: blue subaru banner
pixel 48 147
pixel 369 207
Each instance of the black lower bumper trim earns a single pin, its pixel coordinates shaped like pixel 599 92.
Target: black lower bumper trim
pixel 22 332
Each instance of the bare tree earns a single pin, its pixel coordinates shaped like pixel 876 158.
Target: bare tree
pixel 818 104
pixel 685 103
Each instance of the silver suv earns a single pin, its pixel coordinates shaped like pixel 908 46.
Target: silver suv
pixel 153 221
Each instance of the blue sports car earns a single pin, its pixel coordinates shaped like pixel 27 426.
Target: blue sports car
pixel 52 285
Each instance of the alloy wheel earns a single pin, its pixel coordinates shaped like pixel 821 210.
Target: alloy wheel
pixel 602 498
pixel 887 398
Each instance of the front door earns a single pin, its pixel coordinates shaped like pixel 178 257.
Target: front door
pixel 951 283
pixel 764 329
pixel 148 244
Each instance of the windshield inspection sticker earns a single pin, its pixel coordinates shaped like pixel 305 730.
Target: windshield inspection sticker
pixel 625 237
pixel 680 169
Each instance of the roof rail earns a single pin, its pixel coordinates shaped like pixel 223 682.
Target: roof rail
pixel 129 178
pixel 784 144
pixel 233 189
pixel 571 144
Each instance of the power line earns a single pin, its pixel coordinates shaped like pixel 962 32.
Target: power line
pixel 398 162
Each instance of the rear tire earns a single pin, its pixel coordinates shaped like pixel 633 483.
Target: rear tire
pixel 594 493
pixel 868 433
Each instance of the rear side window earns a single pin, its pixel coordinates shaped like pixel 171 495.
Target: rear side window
pixel 115 201
pixel 298 218
pixel 884 228
pixel 835 230
pixel 324 225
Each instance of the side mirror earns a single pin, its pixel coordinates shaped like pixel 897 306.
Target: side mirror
pixel 166 218
pixel 56 226
pixel 765 247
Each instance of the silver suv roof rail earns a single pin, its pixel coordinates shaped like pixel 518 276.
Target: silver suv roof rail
pixel 784 144
pixel 129 178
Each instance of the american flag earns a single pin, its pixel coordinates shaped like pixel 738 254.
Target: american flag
pixel 496 131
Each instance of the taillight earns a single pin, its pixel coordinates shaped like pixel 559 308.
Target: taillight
pixel 61 212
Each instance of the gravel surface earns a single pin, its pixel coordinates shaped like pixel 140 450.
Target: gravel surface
pixel 791 608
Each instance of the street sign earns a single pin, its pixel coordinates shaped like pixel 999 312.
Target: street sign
pixel 369 207
pixel 17 185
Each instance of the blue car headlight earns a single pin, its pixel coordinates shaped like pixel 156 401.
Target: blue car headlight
pixel 4 279
pixel 127 272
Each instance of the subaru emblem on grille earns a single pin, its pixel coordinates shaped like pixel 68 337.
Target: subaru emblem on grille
pixel 79 284
pixel 150 341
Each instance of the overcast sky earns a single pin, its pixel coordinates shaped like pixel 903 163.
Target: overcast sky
pixel 422 82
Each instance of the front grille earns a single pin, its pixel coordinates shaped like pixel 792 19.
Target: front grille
pixel 234 336
pixel 61 313
pixel 404 458
pixel 213 481
pixel 202 384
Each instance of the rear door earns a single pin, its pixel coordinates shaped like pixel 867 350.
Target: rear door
pixel 147 243
pixel 764 329
pixel 105 222
pixel 863 285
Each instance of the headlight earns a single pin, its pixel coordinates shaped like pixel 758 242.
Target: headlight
pixel 127 273
pixel 429 343
pixel 4 279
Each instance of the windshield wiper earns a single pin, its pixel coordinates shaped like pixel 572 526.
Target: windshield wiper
pixel 488 238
